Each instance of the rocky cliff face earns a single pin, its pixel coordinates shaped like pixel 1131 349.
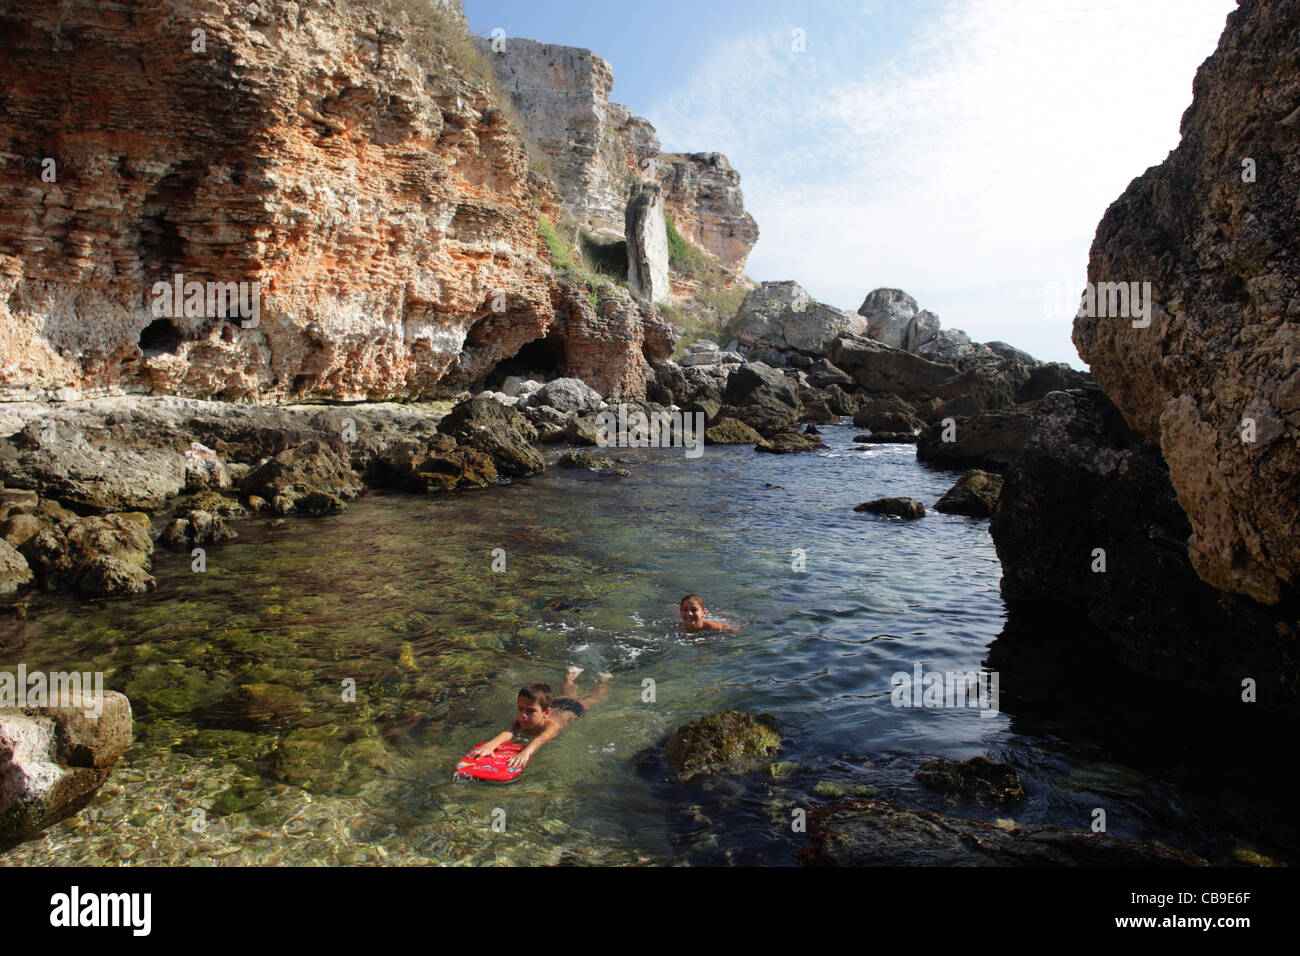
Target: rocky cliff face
pixel 1214 377
pixel 597 151
pixel 1168 518
pixel 374 192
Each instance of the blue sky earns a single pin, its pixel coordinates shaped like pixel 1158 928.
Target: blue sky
pixel 962 150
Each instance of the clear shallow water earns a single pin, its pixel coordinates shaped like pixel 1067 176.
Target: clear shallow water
pixel 294 773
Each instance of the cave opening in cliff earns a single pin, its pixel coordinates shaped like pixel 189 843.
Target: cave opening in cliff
pixel 541 359
pixel 160 337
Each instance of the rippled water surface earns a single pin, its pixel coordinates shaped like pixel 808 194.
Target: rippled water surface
pixel 246 749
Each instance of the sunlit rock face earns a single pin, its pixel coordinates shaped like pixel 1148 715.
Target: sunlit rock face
pixel 382 208
pixel 597 151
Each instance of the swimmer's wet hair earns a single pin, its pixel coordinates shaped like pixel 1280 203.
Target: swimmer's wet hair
pixel 538 692
pixel 692 597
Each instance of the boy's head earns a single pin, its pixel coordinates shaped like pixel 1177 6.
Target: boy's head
pixel 693 611
pixel 533 705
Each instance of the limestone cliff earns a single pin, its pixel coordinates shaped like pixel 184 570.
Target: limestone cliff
pixel 1214 377
pixel 354 164
pixel 597 151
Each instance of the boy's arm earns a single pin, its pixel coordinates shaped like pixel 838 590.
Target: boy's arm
pixel 484 749
pixel 719 626
pixel 521 759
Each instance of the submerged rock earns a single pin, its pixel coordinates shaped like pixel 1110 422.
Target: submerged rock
pixel 729 740
pixel 53 759
pixel 979 778
pixel 789 442
pixel 873 833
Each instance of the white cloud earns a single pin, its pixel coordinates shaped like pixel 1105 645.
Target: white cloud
pixel 969 165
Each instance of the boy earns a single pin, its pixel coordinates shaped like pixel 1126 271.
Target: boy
pixel 694 612
pixel 536 714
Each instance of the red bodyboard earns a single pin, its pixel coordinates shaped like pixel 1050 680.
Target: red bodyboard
pixel 492 767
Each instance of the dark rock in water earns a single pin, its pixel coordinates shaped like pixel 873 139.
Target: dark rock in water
pixel 765 397
pixel 305 472
pixel 811 430
pixel 789 442
pixel 990 441
pixel 332 758
pixel 582 459
pixel 898 507
pixel 872 833
pixel 975 494
pixel 979 778
pixel 729 740
pixel 730 431
pixel 888 438
pixel 822 373
pixel 256 706
pixel 196 527
pixel 498 431
pixel 818 410
pixel 885 412
pixel 54 759
pixel 439 465
pixel 103 556
pixel 1088 524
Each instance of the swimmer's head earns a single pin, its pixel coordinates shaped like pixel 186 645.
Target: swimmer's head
pixel 693 611
pixel 533 705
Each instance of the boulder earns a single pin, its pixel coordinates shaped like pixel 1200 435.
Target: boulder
pixel 975 495
pixel 304 474
pixel 203 469
pixel 730 431
pixel 196 527
pixel 782 315
pixel 14 572
pixel 789 442
pixel 565 395
pixel 53 759
pixel 502 433
pixel 727 741
pixel 880 368
pixel 765 396
pixel 896 507
pixel 990 441
pixel 101 555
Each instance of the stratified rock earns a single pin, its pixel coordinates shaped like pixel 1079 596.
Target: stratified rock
pixel 647 243
pixel 822 373
pixel 975 495
pixel 978 778
pixel 1088 526
pixel 705 352
pixel 877 367
pixel 990 441
pixel 53 759
pixel 729 740
pixel 782 315
pixel 873 833
pixel 702 195
pixel 377 194
pixel 897 507
pixel 1214 230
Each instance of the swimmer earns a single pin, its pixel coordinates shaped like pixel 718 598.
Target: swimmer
pixel 541 718
pixel 694 613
